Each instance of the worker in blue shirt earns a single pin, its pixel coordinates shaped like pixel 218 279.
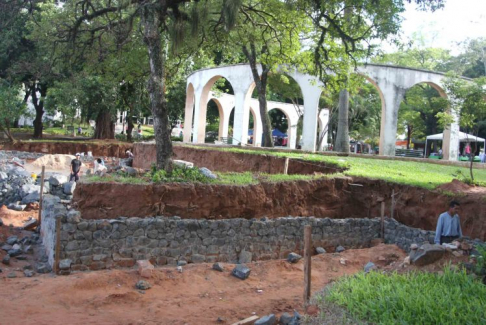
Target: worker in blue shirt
pixel 448 225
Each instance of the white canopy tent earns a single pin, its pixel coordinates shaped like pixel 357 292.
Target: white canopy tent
pixel 463 137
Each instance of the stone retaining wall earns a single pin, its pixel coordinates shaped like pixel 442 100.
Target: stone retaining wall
pixel 106 243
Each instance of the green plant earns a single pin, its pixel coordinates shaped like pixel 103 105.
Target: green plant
pixel 452 297
pixel 178 174
pixel 481 260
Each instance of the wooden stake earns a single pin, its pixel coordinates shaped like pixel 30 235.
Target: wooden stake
pixel 286 166
pixel 392 207
pixel 58 245
pixel 307 263
pixel 39 218
pixel 383 219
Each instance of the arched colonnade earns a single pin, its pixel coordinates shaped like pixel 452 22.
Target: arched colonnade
pixel 391 82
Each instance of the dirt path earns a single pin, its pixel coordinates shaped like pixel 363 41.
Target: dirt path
pixel 198 295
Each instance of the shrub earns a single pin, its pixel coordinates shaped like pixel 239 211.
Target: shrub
pixel 178 174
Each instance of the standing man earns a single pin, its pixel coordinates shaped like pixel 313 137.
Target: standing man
pixel 75 168
pixel 448 225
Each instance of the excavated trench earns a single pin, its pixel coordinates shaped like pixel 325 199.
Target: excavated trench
pixel 334 198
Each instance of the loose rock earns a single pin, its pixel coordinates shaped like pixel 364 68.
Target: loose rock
pixel 241 271
pixel 65 264
pixel 340 249
pixel 206 172
pixel 29 273
pixel 143 285
pixel 218 267
pixel 245 257
pixel 12 240
pixel 69 187
pixel 6 260
pixel 286 318
pixel 293 257
pixel 14 252
pixel 369 266
pixel 11 275
pixel 267 320
pixel 320 250
pixel 145 268
pixel 43 268
pixel 428 254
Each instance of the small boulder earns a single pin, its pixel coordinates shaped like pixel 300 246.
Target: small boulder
pixel 286 319
pixel 465 246
pixel 69 187
pixel 28 273
pixel 241 271
pixel 206 172
pixel 428 254
pixel 181 263
pixel 43 268
pixel 145 268
pixel 31 198
pixel 31 224
pixel 6 260
pixel 340 249
pixel 14 252
pixel 65 264
pixel 218 267
pixel 11 275
pixel 17 207
pixel 57 179
pixel 320 250
pixel 12 240
pixel 369 266
pixel 245 257
pixel 414 246
pixel 406 261
pixel 267 320
pixel 293 258
pixel 183 163
pixel 6 247
pixel 143 285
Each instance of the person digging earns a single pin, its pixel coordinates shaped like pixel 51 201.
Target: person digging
pixel 75 168
pixel 448 225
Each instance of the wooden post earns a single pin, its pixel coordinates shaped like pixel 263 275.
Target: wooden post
pixel 307 263
pixel 58 245
pixel 39 218
pixel 286 166
pixel 392 207
pixel 383 219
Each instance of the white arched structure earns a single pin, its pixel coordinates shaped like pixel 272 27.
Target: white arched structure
pixel 391 82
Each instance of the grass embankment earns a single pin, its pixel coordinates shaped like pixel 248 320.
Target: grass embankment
pixel 411 298
pixel 402 172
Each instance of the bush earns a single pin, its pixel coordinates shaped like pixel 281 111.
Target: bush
pixel 412 298
pixel 178 174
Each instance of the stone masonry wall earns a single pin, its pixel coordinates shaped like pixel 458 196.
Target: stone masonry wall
pixel 106 243
pixel 99 244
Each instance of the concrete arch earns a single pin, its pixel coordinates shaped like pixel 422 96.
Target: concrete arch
pixel 391 82
pixel 291 130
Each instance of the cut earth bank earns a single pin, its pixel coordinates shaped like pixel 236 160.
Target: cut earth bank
pixel 342 197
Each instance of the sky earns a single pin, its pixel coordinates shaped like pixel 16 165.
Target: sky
pixel 444 28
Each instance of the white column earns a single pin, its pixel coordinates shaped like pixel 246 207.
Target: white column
pixel 393 96
pixel 324 120
pixel 188 115
pixel 450 140
pixel 197 116
pixel 311 103
pixel 242 117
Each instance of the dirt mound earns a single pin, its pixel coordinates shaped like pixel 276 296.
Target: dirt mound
pixel 16 218
pixel 455 186
pixel 57 162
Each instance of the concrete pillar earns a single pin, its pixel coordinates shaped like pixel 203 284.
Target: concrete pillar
pixel 311 103
pixel 189 110
pixel 392 97
pixel 450 140
pixel 242 116
pixel 292 132
pixel 323 123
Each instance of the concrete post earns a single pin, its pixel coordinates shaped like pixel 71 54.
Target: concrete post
pixel 450 140
pixel 188 114
pixel 242 116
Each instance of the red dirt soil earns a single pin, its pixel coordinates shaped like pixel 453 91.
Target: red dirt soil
pixel 198 295
pixel 333 198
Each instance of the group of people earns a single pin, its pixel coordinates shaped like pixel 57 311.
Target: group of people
pixel 76 164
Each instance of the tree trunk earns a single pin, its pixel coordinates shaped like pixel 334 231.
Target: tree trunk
pixel 156 88
pixel 105 128
pixel 261 86
pixel 129 124
pixel 7 132
pixel 409 135
pixel 342 136
pixel 39 107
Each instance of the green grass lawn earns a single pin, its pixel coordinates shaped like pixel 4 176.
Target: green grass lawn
pixel 403 172
pixel 411 298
